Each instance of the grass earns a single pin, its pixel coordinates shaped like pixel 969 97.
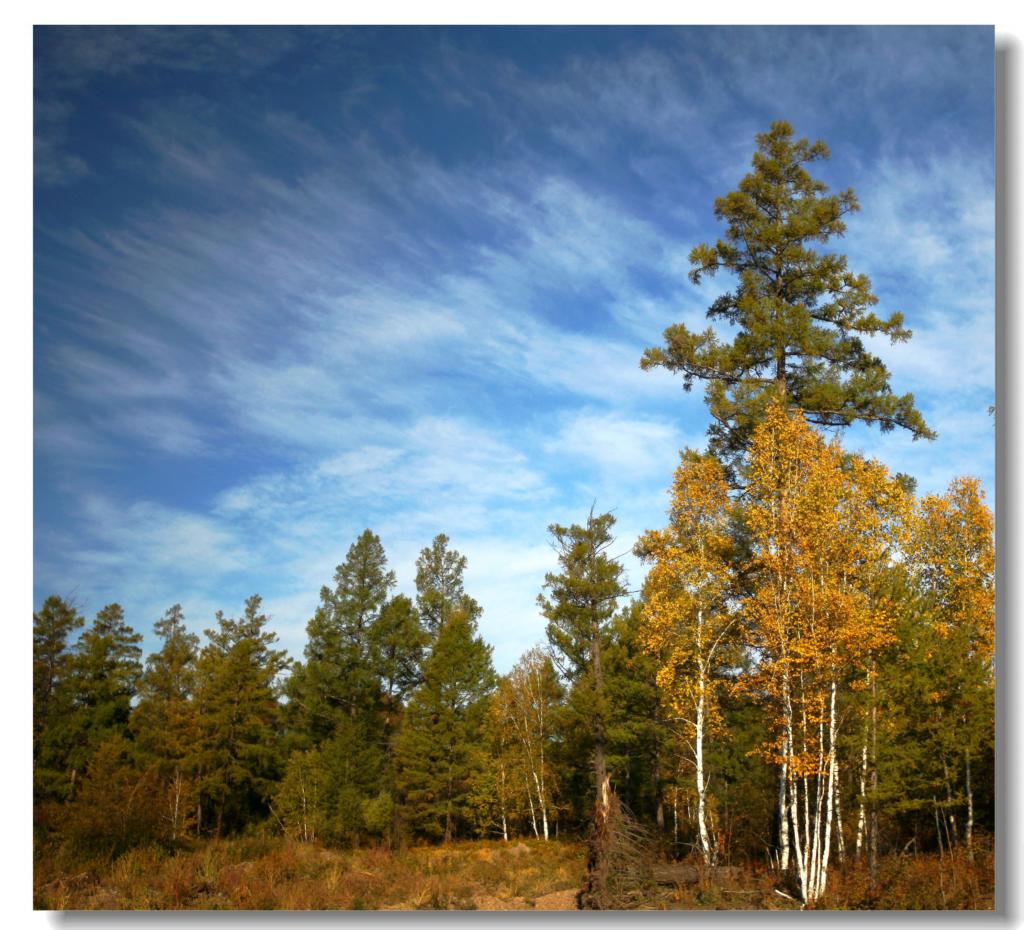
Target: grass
pixel 276 873
pixel 283 874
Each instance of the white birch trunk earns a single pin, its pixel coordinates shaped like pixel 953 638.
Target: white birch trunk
pixel 840 838
pixel 833 773
pixel 783 816
pixel 504 821
pixel 798 851
pixel 698 752
pixel 862 814
pixel 175 813
pixel 540 803
pixel 533 813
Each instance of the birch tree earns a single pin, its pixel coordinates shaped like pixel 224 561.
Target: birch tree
pixel 817 519
pixel 952 556
pixel 686 614
pixel 526 700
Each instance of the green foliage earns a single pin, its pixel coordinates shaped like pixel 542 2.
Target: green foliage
pixel 396 643
pixel 635 728
pixel 117 805
pixel 52 694
pixel 236 754
pixel 301 799
pixel 582 595
pixel 339 677
pixel 164 720
pixel 443 724
pixel 377 813
pixel 104 674
pixel 439 591
pixel 800 316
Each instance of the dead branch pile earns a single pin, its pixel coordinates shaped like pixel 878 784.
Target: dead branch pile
pixel 619 858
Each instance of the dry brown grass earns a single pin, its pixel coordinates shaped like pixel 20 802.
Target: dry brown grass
pixel 282 874
pixel 267 873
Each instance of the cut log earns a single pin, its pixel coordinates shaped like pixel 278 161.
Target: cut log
pixel 676 873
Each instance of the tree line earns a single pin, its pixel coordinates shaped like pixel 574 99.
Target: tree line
pixel 806 676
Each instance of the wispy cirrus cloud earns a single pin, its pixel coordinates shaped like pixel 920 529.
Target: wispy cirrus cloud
pixel 411 292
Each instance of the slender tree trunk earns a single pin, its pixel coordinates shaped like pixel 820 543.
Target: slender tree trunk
pixel 938 825
pixel 539 777
pixel 862 815
pixel 798 851
pixel 675 815
pixel 950 815
pixel 175 815
pixel 840 838
pixel 782 816
pixel 600 769
pixel 833 772
pixel 501 800
pixel 969 831
pixel 659 810
pixel 541 804
pixel 533 812
pixel 705 843
pixel 873 846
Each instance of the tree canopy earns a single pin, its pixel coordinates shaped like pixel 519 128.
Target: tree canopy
pixel 800 315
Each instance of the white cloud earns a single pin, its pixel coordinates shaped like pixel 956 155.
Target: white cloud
pixel 623 448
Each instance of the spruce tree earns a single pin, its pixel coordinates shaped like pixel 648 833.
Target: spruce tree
pixel 105 672
pixel 439 591
pixel 338 677
pixel 51 692
pixel 800 315
pixel 164 721
pixel 579 608
pixel 437 749
pixel 237 757
pixel 443 727
pixel 396 648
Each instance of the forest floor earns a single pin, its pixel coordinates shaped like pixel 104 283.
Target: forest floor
pixel 268 873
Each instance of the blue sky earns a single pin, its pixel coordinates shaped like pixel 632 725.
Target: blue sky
pixel 293 283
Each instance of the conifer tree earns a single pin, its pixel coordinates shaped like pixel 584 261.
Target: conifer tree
pixel 396 648
pixel 237 756
pixel 636 731
pixel 439 591
pixel 51 692
pixel 580 604
pixel 438 748
pixel 105 672
pixel 800 315
pixel 164 721
pixel 339 675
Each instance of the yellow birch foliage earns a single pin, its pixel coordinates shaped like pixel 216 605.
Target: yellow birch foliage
pixel 823 524
pixel 686 614
pixel 952 548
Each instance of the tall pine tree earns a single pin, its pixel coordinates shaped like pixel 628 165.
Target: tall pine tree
pixel 237 753
pixel 800 315
pixel 438 749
